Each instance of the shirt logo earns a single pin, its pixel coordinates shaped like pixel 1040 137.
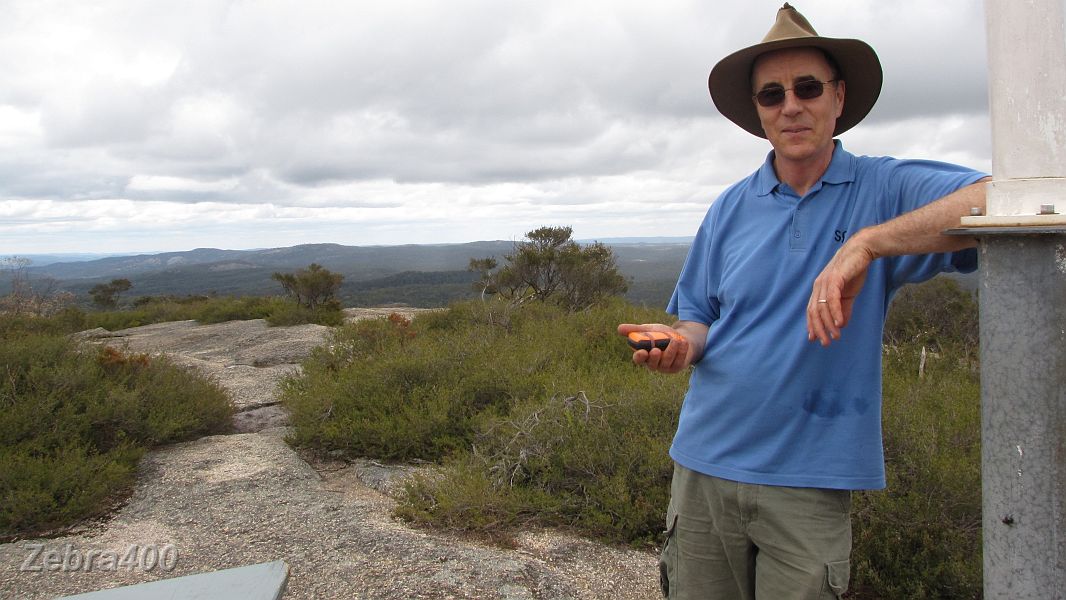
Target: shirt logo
pixel 839 235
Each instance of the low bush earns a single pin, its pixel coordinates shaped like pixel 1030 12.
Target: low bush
pixel 220 310
pixel 154 310
pixel 284 313
pixel 936 312
pixel 77 419
pixel 204 309
pixel 538 404
pixel 921 537
pixel 595 461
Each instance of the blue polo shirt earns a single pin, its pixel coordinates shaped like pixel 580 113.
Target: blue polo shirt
pixel 765 405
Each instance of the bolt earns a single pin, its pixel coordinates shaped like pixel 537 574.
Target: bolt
pixel 1008 519
pixel 975 211
pixel 1047 209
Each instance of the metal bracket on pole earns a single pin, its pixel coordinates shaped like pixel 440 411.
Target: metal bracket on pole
pixel 1021 230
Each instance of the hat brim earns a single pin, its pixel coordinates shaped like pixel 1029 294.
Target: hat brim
pixel 730 80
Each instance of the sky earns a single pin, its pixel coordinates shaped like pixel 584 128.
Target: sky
pixel 145 126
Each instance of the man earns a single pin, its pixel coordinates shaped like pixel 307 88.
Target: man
pixel 775 430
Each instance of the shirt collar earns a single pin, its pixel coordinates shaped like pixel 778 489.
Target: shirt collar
pixel 841 170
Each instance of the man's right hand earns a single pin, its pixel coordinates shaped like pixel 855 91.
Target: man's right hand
pixel 678 355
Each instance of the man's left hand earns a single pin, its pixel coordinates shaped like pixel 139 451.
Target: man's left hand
pixel 833 294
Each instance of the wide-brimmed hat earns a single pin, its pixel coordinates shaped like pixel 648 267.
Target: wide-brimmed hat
pixel 730 80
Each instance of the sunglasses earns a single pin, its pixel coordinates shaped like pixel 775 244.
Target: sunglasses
pixel 804 90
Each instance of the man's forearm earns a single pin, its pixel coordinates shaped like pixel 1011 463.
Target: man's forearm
pixel 921 231
pixel 918 232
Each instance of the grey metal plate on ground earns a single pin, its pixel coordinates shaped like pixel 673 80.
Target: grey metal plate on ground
pixel 264 581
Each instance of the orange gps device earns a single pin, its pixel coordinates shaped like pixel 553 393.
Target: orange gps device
pixel 646 340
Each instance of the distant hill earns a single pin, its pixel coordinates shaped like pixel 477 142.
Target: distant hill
pixel 673 241
pixel 420 275
pixel 48 259
pixel 358 262
pixel 417 275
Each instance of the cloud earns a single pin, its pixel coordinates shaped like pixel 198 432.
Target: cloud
pixel 419 116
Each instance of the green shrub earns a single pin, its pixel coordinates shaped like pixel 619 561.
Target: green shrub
pixel 14 326
pixel 76 420
pixel 312 287
pixel 157 309
pixel 220 310
pixel 44 492
pixel 71 319
pixel 545 395
pixel 147 313
pixel 289 313
pixel 203 309
pixel 934 313
pixel 576 461
pixel 921 537
pixel 105 295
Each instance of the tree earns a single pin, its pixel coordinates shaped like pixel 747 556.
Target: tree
pixel 549 266
pixel 484 267
pixel 40 298
pixel 15 301
pixel 105 295
pixel 311 287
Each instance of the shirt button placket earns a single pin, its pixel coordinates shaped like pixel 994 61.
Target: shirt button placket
pixel 799 233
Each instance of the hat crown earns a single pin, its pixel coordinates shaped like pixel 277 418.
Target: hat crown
pixel 790 24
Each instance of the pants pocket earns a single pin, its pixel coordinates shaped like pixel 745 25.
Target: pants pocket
pixel 668 557
pixel 837 576
pixel 845 501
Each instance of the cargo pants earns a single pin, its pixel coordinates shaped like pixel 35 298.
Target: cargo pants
pixel 728 540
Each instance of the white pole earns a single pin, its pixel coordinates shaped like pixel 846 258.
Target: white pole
pixel 1027 92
